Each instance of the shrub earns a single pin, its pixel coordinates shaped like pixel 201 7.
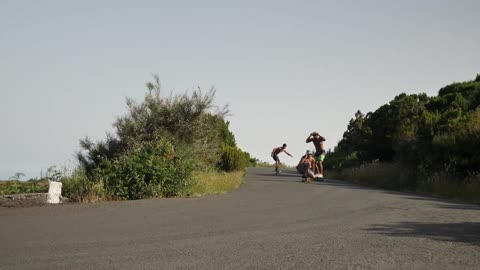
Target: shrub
pixel 148 170
pixel 157 145
pixel 233 159
pixel 78 188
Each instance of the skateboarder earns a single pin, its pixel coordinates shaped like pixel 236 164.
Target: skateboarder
pixel 319 155
pixel 305 167
pixel 275 152
pixel 301 165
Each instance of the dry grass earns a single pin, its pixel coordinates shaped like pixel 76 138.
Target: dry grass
pixel 216 182
pixel 446 186
pixel 77 188
pixel 393 176
pixel 383 175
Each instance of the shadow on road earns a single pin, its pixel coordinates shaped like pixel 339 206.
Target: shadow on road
pixel 337 183
pixel 280 175
pixel 465 232
pixel 459 206
pixel 283 177
pixel 444 203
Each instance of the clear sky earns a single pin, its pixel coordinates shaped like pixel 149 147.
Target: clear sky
pixel 286 68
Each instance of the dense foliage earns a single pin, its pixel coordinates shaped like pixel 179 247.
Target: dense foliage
pixel 158 144
pixel 424 134
pixel 233 159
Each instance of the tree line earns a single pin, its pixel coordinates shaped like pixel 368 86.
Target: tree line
pixel 422 134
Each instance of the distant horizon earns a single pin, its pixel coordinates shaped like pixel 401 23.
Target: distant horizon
pixel 285 68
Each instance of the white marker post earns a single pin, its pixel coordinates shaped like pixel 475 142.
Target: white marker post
pixel 54 192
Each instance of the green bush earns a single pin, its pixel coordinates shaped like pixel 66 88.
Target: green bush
pixel 158 144
pixel 78 188
pixel 148 170
pixel 233 159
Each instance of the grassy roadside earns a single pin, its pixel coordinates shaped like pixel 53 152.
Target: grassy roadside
pixel 271 165
pixel 216 182
pixel 15 187
pixel 79 190
pixel 393 177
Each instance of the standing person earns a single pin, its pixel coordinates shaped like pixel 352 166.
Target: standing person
pixel 275 152
pixel 319 155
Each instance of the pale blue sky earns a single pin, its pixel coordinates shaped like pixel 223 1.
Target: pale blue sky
pixel 286 67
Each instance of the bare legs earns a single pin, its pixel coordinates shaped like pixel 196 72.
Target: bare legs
pixel 320 167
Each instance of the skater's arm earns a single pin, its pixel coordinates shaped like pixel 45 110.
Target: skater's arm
pixel 309 139
pixel 287 153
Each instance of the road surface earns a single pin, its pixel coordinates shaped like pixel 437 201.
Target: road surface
pixel 270 222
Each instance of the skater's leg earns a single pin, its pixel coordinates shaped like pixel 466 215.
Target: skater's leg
pixel 277 163
pixel 319 162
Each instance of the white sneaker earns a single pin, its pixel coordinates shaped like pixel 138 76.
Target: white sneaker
pixel 319 176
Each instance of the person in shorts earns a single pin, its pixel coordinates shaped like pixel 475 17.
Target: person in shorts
pixel 305 167
pixel 301 165
pixel 320 152
pixel 275 152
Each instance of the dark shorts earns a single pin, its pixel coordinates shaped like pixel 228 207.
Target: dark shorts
pixel 302 168
pixel 275 157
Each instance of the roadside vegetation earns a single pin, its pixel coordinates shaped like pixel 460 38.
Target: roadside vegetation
pixel 416 142
pixel 215 182
pixel 17 186
pixel 164 146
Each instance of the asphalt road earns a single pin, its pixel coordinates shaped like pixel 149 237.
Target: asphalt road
pixel 271 222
